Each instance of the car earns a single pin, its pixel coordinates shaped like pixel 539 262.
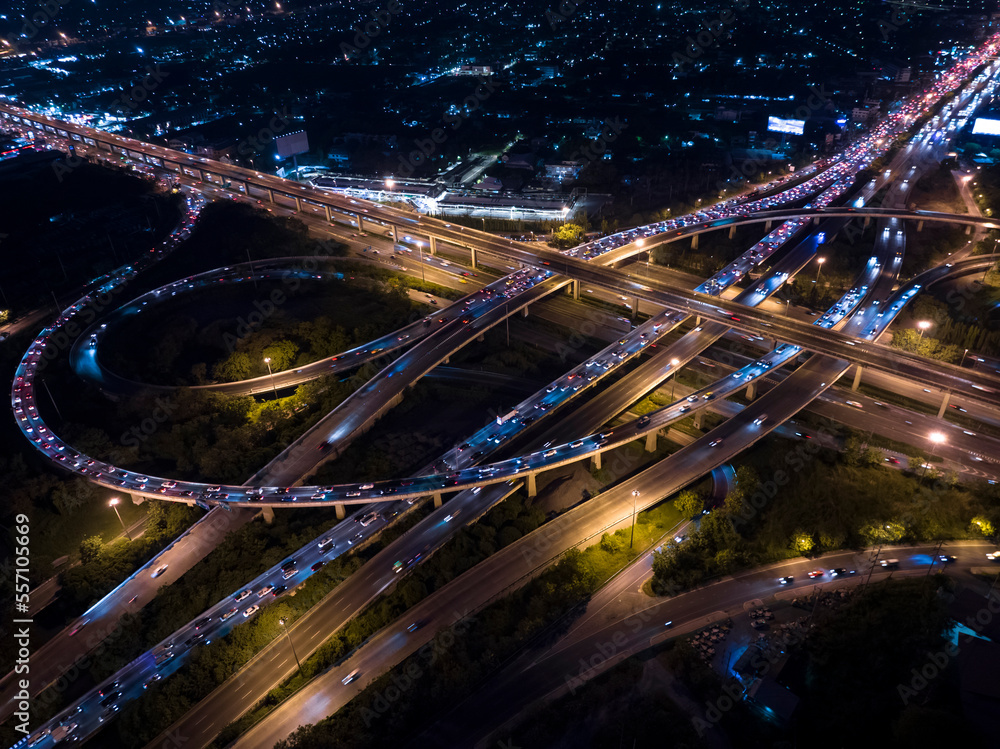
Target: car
pixel 370 518
pixel 890 564
pixel 243 594
pixel 196 640
pixel 289 573
pixel 108 689
pixel 110 698
pixel 841 572
pixel 414 626
pixel 816 573
pixel 203 622
pixel 264 591
pixel 946 558
pixel 786 580
pixel 151 680
pixel 760 420
pixel 317 565
pixel 350 677
pixel 279 590
pixel 715 443
pixel 894 461
pixel 108 713
pixel 78 626
pixel 159 570
pixel 229 614
pixel 994 556
pixel 251 611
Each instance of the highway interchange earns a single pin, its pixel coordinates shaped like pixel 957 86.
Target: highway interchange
pixel 719 446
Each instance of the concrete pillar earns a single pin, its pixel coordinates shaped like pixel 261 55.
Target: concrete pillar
pixel 298 204
pixel 361 225
pixel 575 287
pixel 329 214
pixel 532 486
pixel 699 418
pixel 595 461
pixel 815 220
pixel 867 221
pixel 270 194
pixel 339 509
pixel 697 320
pixel 437 500
pixel 857 378
pixel 203 177
pixel 968 229
pixel 752 391
pixel 268 513
pixel 732 231
pixel 694 241
pixel 767 225
pixel 434 245
pixel 524 311
pixel 481 337
pixel 944 403
pixel 920 225
pixel 473 251
pixel 651 441
pixel 137 499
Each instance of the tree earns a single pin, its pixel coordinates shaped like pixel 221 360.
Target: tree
pixel 282 355
pixel 567 235
pixel 689 504
pixel 982 526
pixel 90 549
pixel 802 542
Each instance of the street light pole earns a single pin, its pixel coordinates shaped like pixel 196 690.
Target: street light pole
pixel 114 503
pixel 635 496
pixel 267 361
pixel 282 623
pixel 923 325
pixel 819 267
pixel 673 378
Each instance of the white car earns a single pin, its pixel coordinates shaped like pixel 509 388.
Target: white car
pixel 251 611
pixel 159 570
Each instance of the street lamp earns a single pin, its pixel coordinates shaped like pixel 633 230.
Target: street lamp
pixel 267 361
pixel 282 623
pixel 635 496
pixel 420 252
pixel 819 267
pixel 114 503
pixel 673 380
pixel 390 183
pixel 923 325
pixel 962 363
pixel 937 438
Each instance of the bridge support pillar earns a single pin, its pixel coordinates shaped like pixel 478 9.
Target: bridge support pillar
pixel 338 507
pixel 203 177
pixel 270 194
pixel 920 225
pixel 859 370
pixel 329 214
pixel 699 418
pixel 651 442
pixel 595 461
pixel 481 337
pixel 437 500
pixel 532 486
pixel 751 391
pixel 694 242
pixel 968 229
pixel 767 225
pixel 815 220
pixel 524 311
pixel 575 290
pixel 697 320
pixel 357 219
pixel 434 245
pixel 944 403
pixel 298 205
pixel 268 514
pixel 473 252
pixel 137 499
pixel 866 222
pixel 732 231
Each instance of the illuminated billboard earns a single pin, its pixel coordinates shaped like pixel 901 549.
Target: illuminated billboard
pixel 984 126
pixel 780 125
pixel 292 144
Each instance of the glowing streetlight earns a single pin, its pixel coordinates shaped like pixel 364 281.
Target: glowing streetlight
pixel 282 623
pixel 819 266
pixel 635 496
pixel 673 364
pixel 923 325
pixel 267 361
pixel 114 503
pixel 390 183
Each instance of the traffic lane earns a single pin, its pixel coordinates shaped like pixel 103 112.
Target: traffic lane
pixel 631 632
